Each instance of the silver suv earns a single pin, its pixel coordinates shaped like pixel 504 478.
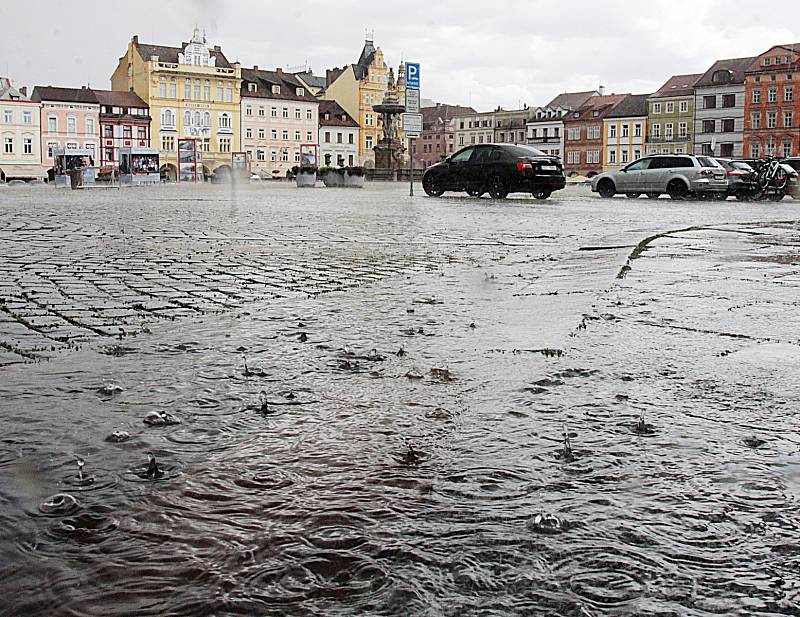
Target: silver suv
pixel 678 175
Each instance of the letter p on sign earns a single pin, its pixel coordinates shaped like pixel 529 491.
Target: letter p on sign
pixel 412 75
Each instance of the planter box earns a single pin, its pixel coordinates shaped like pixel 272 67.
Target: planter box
pixel 305 180
pixel 354 181
pixel 332 178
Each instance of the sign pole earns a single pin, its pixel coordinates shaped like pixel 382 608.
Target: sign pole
pixel 411 162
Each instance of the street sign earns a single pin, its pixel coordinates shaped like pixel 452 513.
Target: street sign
pixel 412 75
pixel 412 125
pixel 412 101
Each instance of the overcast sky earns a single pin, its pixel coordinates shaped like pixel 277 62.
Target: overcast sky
pixel 483 53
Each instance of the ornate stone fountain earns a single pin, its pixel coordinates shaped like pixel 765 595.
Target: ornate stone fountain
pixel 389 151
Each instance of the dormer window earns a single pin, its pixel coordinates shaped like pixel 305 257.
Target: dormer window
pixel 327 116
pixel 767 61
pixel 300 92
pixel 276 89
pixel 344 118
pixel 576 115
pixel 252 87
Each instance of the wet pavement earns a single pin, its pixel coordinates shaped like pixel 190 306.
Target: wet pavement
pixel 340 402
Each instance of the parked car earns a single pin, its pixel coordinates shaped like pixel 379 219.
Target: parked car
pixel 793 186
pixel 678 175
pixel 498 169
pixel 741 179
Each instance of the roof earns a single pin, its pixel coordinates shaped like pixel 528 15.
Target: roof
pixel 677 85
pixel 119 98
pixel 633 106
pixel 313 81
pixel 170 54
pixel 266 79
pixel 756 65
pixel 442 111
pixel 365 59
pixel 8 91
pixel 735 67
pixel 65 95
pixel 338 116
pixel 601 104
pixel 572 100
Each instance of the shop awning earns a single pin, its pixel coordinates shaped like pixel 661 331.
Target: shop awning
pixel 23 172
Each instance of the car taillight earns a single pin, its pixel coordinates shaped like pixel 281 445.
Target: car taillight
pixel 707 172
pixel 524 165
pixel 738 173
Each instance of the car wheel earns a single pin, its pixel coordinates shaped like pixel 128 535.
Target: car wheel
pixel 653 195
pixel 777 196
pixel 432 186
pixel 677 189
pixel 632 195
pixel 475 192
pixel 719 196
pixel 606 188
pixel 497 187
pixel 743 195
pixel 542 194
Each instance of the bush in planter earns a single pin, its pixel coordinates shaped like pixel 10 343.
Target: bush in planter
pixel 354 176
pixel 355 171
pixel 332 176
pixel 304 175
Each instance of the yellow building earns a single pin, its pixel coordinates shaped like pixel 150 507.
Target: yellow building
pixel 357 87
pixel 625 132
pixel 193 93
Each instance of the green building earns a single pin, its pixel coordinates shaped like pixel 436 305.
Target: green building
pixel 670 116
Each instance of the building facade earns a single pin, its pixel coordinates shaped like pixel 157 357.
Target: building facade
pixel 124 123
pixel 772 103
pixel 474 128
pixel 193 92
pixel 437 139
pixel 511 126
pixel 625 132
pixel 279 119
pixel 671 116
pixel 583 144
pixel 357 87
pixel 719 109
pixel 20 135
pixel 545 127
pixel 338 136
pixel 70 119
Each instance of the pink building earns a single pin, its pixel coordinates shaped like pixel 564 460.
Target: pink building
pixel 438 133
pixel 280 117
pixel 70 120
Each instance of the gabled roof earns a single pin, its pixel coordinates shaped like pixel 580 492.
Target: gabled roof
pixel 64 95
pixel 367 54
pixel 794 48
pixel 314 81
pixel 119 98
pixel 735 67
pixel 633 106
pixel 170 54
pixel 443 112
pixel 572 100
pixel 338 116
pixel 602 105
pixel 677 85
pixel 264 80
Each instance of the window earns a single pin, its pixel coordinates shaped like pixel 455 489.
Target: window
pixel 248 133
pixel 683 130
pixel 637 130
pixel 612 157
pixel 772 95
pixel 173 89
pixel 339 138
pixel 709 102
pixel 168 143
pixel 71 125
pixel 668 130
pixel 574 134
pixel 297 113
pixel 656 108
pixel 593 156
pixel 626 131
pixel 350 138
pixel 229 94
pixel 726 150
pixel 220 93
pixel 274 133
pixel 285 112
pixel 8 145
pixel 728 100
pixel 197 92
pixel 573 157
pixel 274 112
pixel 728 126
pixel 297 135
pixel 260 155
pixel 127 131
pixel 248 110
pixel 262 112
pixel 276 89
pixel 187 89
pixel 207 119
pixel 224 144
pixel 788 119
pixel 108 130
pixel 670 108
pixel 656 131
pixel 755 120
pixel 261 133
pixel 285 155
pixel 624 159
pixel 368 142
pixel 788 93
pixel 612 131
pixel 709 126
pixel 684 107
pixel 90 125
pixel 225 121
pixel 787 149
pixel 206 145
pixel 309 114
pixel 350 160
pixel 772 119
pixel 162 89
pixel 141 133
pixel 327 137
pixel 285 135
pixel 756 96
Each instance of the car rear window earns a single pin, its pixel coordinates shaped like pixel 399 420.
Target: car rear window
pixel 522 151
pixel 707 162
pixel 742 166
pixel 671 162
pixel 794 164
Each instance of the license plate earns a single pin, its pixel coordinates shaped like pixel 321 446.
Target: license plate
pixel 549 168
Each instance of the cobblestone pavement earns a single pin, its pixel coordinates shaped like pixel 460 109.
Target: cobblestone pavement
pixel 88 266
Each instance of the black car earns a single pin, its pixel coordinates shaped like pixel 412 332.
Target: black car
pixel 497 169
pixel 741 179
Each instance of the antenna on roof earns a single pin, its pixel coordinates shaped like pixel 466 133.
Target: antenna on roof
pixel 369 35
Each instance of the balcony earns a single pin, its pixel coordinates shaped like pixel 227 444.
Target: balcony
pixel 668 139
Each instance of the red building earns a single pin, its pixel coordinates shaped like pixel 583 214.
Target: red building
pixel 437 139
pixel 583 135
pixel 124 123
pixel 772 103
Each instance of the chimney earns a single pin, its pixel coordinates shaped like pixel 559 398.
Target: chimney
pixel 23 90
pixel 279 71
pixel 135 39
pixel 602 90
pixel 217 48
pixel 255 67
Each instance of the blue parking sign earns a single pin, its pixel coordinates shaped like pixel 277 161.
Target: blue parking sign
pixel 412 75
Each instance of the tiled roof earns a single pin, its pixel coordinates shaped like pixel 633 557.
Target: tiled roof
pixel 119 98
pixel 338 116
pixel 443 112
pixel 602 104
pixel 170 54
pixel 677 85
pixel 316 81
pixel 572 100
pixel 264 81
pixel 735 67
pixel 64 95
pixel 633 106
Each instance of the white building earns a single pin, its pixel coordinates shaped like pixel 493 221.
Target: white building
pixel 546 124
pixel 279 121
pixel 477 128
pixel 338 136
pixel 625 131
pixel 20 135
